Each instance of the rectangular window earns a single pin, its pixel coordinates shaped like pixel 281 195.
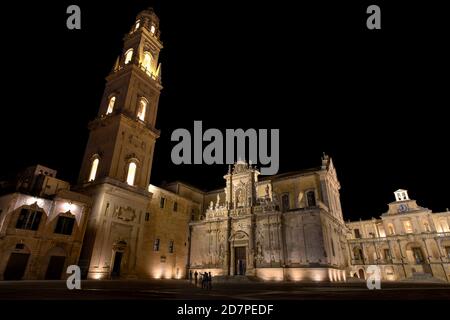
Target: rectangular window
pixel 408 226
pixel 147 216
pixel 447 249
pixel 156 245
pixel 64 225
pixel 418 256
pixel 162 201
pixel 387 254
pixel 29 220
pixel 175 206
pixel 171 246
pixel 357 234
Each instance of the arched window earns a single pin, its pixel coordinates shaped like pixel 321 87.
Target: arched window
pixel 131 173
pixel 111 103
pixel 391 229
pixel 147 61
pixel 142 108
pixel 152 29
pixel 128 56
pixel 138 23
pixel 311 197
pixel 94 167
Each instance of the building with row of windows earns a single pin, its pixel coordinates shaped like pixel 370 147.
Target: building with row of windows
pixel 115 224
pixel 42 225
pixel 408 241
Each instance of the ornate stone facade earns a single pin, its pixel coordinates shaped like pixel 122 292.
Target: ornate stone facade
pixel 407 241
pixel 285 227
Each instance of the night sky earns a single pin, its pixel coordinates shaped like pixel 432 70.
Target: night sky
pixel 374 100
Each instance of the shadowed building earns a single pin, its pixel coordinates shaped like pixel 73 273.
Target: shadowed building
pixel 42 225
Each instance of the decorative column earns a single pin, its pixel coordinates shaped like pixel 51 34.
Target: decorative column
pixel 441 256
pixel 402 258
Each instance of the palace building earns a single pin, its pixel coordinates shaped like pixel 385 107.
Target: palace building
pixel 114 224
pixel 408 241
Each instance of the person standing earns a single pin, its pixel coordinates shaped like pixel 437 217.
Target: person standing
pixel 205 280
pixel 196 277
pixel 209 281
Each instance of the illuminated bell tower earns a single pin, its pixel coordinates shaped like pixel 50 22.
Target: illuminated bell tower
pixel 117 162
pixel 122 137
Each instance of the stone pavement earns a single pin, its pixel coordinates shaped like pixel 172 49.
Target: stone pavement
pixel 182 289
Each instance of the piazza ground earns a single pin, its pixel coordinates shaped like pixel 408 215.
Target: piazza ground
pixel 245 290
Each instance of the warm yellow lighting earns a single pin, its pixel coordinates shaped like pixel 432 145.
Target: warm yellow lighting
pixel 152 29
pixel 111 102
pixel 147 62
pixel 138 23
pixel 128 56
pixel 408 226
pixel 34 200
pixel 97 276
pixel 131 173
pixel 94 167
pixel 68 206
pixel 142 109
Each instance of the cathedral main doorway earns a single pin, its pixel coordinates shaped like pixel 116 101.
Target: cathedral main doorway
pixel 240 261
pixel 116 265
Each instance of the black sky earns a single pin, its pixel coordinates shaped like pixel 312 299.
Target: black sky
pixel 374 100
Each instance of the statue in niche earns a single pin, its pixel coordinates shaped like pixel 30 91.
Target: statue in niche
pixel 259 252
pixel 221 255
pixel 240 198
pixel 267 192
pixel 211 205
pixel 217 201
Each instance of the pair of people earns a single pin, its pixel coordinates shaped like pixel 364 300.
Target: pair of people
pixel 207 281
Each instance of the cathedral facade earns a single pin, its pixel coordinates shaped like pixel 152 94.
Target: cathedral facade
pixel 116 225
pixel 284 227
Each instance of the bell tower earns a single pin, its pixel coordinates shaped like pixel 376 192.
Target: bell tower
pixel 122 137
pixel 117 163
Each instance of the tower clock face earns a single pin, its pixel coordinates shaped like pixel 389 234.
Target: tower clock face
pixel 402 208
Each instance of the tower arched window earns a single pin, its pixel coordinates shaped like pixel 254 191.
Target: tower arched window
pixel 131 175
pixel 147 61
pixel 111 102
pixel 311 198
pixel 136 26
pixel 94 167
pixel 128 56
pixel 142 108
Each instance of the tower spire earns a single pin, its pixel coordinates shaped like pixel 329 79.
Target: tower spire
pixel 123 136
